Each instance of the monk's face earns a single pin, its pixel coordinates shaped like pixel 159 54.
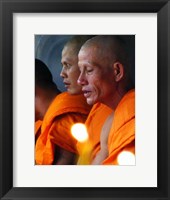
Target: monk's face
pixel 97 75
pixel 70 71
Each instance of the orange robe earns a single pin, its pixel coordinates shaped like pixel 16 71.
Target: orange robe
pixel 94 123
pixel 122 132
pixel 64 111
pixel 38 124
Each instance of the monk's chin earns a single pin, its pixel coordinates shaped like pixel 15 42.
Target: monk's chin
pixel 74 92
pixel 90 101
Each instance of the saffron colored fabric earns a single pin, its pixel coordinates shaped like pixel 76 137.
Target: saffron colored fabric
pixel 94 123
pixel 122 133
pixel 38 124
pixel 64 111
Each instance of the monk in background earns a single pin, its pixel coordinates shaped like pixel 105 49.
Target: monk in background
pixel 104 78
pixel 55 113
pixel 70 73
pixel 69 60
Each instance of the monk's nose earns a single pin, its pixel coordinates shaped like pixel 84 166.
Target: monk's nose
pixel 81 80
pixel 63 73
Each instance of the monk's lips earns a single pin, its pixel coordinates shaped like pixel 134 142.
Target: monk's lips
pixel 66 84
pixel 87 93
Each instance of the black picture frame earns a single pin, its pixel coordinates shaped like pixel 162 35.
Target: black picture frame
pixel 7 8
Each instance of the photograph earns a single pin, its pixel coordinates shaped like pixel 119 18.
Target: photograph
pixel 91 120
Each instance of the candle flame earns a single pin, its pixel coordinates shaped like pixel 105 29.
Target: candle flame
pixel 126 158
pixel 79 132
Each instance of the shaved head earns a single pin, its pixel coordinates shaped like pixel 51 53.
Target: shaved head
pixel 109 47
pixel 70 71
pixel 76 42
pixel 104 67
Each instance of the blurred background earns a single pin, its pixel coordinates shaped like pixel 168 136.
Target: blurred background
pixel 48 48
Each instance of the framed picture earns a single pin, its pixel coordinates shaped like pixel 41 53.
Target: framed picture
pixel 18 18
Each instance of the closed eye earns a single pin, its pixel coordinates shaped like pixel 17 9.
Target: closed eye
pixel 89 71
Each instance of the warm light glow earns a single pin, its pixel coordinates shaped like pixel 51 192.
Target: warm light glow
pixel 79 132
pixel 126 158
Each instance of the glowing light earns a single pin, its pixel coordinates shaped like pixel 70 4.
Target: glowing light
pixel 79 132
pixel 126 158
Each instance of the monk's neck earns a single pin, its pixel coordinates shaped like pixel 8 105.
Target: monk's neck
pixel 115 99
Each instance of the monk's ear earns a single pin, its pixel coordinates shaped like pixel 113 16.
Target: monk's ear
pixel 118 71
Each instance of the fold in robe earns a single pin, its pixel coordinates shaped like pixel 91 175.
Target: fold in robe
pixel 64 111
pixel 122 133
pixel 94 123
pixel 38 124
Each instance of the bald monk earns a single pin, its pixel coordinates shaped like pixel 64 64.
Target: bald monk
pixel 57 112
pixel 104 78
pixel 70 73
pixel 70 70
